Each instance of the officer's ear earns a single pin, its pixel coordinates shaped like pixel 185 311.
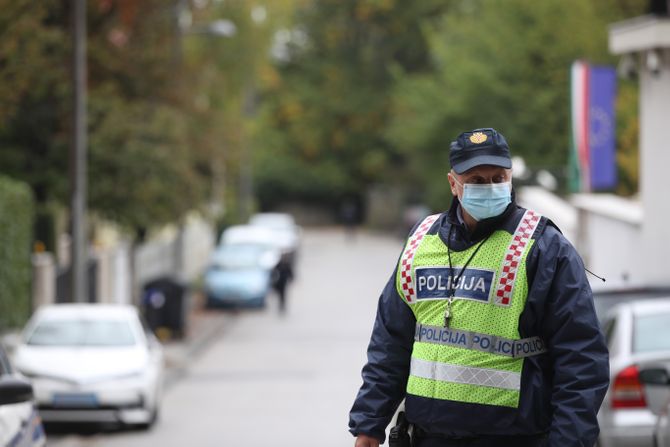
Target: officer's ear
pixel 452 183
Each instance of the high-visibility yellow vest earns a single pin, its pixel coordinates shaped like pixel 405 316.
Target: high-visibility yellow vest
pixel 479 356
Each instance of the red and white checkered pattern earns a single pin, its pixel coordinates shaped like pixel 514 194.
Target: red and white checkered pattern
pixel 510 265
pixel 406 277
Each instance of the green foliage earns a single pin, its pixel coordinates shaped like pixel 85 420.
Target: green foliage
pixel 140 175
pixel 628 131
pixel 328 104
pixel 16 225
pixel 34 96
pixel 31 55
pixel 145 166
pixel 356 93
pixel 375 90
pixel 502 64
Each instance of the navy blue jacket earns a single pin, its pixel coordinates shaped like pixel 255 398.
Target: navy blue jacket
pixel 561 390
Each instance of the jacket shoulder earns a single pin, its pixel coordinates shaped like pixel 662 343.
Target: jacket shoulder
pixel 434 222
pixel 545 227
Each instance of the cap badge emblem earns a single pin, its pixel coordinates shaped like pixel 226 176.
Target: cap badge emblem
pixel 478 137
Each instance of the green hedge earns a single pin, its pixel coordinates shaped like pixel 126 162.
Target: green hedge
pixel 16 234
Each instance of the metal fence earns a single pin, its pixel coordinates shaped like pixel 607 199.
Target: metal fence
pixel 115 276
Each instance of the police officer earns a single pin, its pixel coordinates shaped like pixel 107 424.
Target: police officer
pixel 487 327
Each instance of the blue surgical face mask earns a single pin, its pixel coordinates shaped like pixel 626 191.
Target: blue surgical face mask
pixel 484 201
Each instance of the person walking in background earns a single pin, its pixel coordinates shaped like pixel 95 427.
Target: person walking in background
pixel 487 327
pixel 282 275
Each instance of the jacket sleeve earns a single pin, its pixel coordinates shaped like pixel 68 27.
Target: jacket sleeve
pixel 386 371
pixel 577 350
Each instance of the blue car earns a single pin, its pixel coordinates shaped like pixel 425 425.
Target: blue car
pixel 240 275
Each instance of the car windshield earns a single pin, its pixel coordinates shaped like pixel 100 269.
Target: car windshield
pixel 652 333
pixel 82 332
pixel 278 222
pixel 239 256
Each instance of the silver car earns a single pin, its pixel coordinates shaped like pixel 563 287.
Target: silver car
pixel 638 334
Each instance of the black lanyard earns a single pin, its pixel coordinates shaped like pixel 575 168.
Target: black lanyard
pixel 454 281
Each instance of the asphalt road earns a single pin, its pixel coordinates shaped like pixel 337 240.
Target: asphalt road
pixel 278 380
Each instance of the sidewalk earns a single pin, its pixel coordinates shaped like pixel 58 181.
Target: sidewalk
pixel 202 327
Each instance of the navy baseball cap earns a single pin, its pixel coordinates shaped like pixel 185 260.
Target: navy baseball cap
pixel 479 147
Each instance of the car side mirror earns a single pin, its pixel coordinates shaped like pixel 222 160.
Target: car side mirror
pixel 14 391
pixel 655 376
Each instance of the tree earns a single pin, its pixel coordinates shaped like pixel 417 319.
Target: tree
pixel 329 103
pixel 143 166
pixel 502 64
pixel 33 96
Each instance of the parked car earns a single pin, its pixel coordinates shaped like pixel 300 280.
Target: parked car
pixel 20 423
pixel 247 234
pixel 92 363
pixel 240 275
pixel 656 377
pixel 286 233
pixel 638 334
pixel 606 299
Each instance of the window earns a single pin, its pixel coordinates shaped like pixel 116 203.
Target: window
pixel 651 333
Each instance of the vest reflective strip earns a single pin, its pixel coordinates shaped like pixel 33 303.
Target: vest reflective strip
pixel 525 347
pixel 406 277
pixel 446 372
pixel 524 231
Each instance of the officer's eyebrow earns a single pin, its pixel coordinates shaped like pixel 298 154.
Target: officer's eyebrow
pixel 476 178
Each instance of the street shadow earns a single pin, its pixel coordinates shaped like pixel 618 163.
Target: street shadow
pixel 83 429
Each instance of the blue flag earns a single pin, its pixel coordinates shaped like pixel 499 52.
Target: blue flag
pixel 601 127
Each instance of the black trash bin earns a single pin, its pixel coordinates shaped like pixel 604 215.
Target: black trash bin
pixel 164 307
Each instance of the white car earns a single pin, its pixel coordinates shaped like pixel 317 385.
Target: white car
pixel 286 233
pixel 246 234
pixel 656 377
pixel 638 334
pixel 92 363
pixel 20 424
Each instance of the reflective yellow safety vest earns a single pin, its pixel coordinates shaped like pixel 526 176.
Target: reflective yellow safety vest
pixel 478 357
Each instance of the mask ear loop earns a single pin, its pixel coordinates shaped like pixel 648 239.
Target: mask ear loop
pixel 459 184
pixel 456 180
